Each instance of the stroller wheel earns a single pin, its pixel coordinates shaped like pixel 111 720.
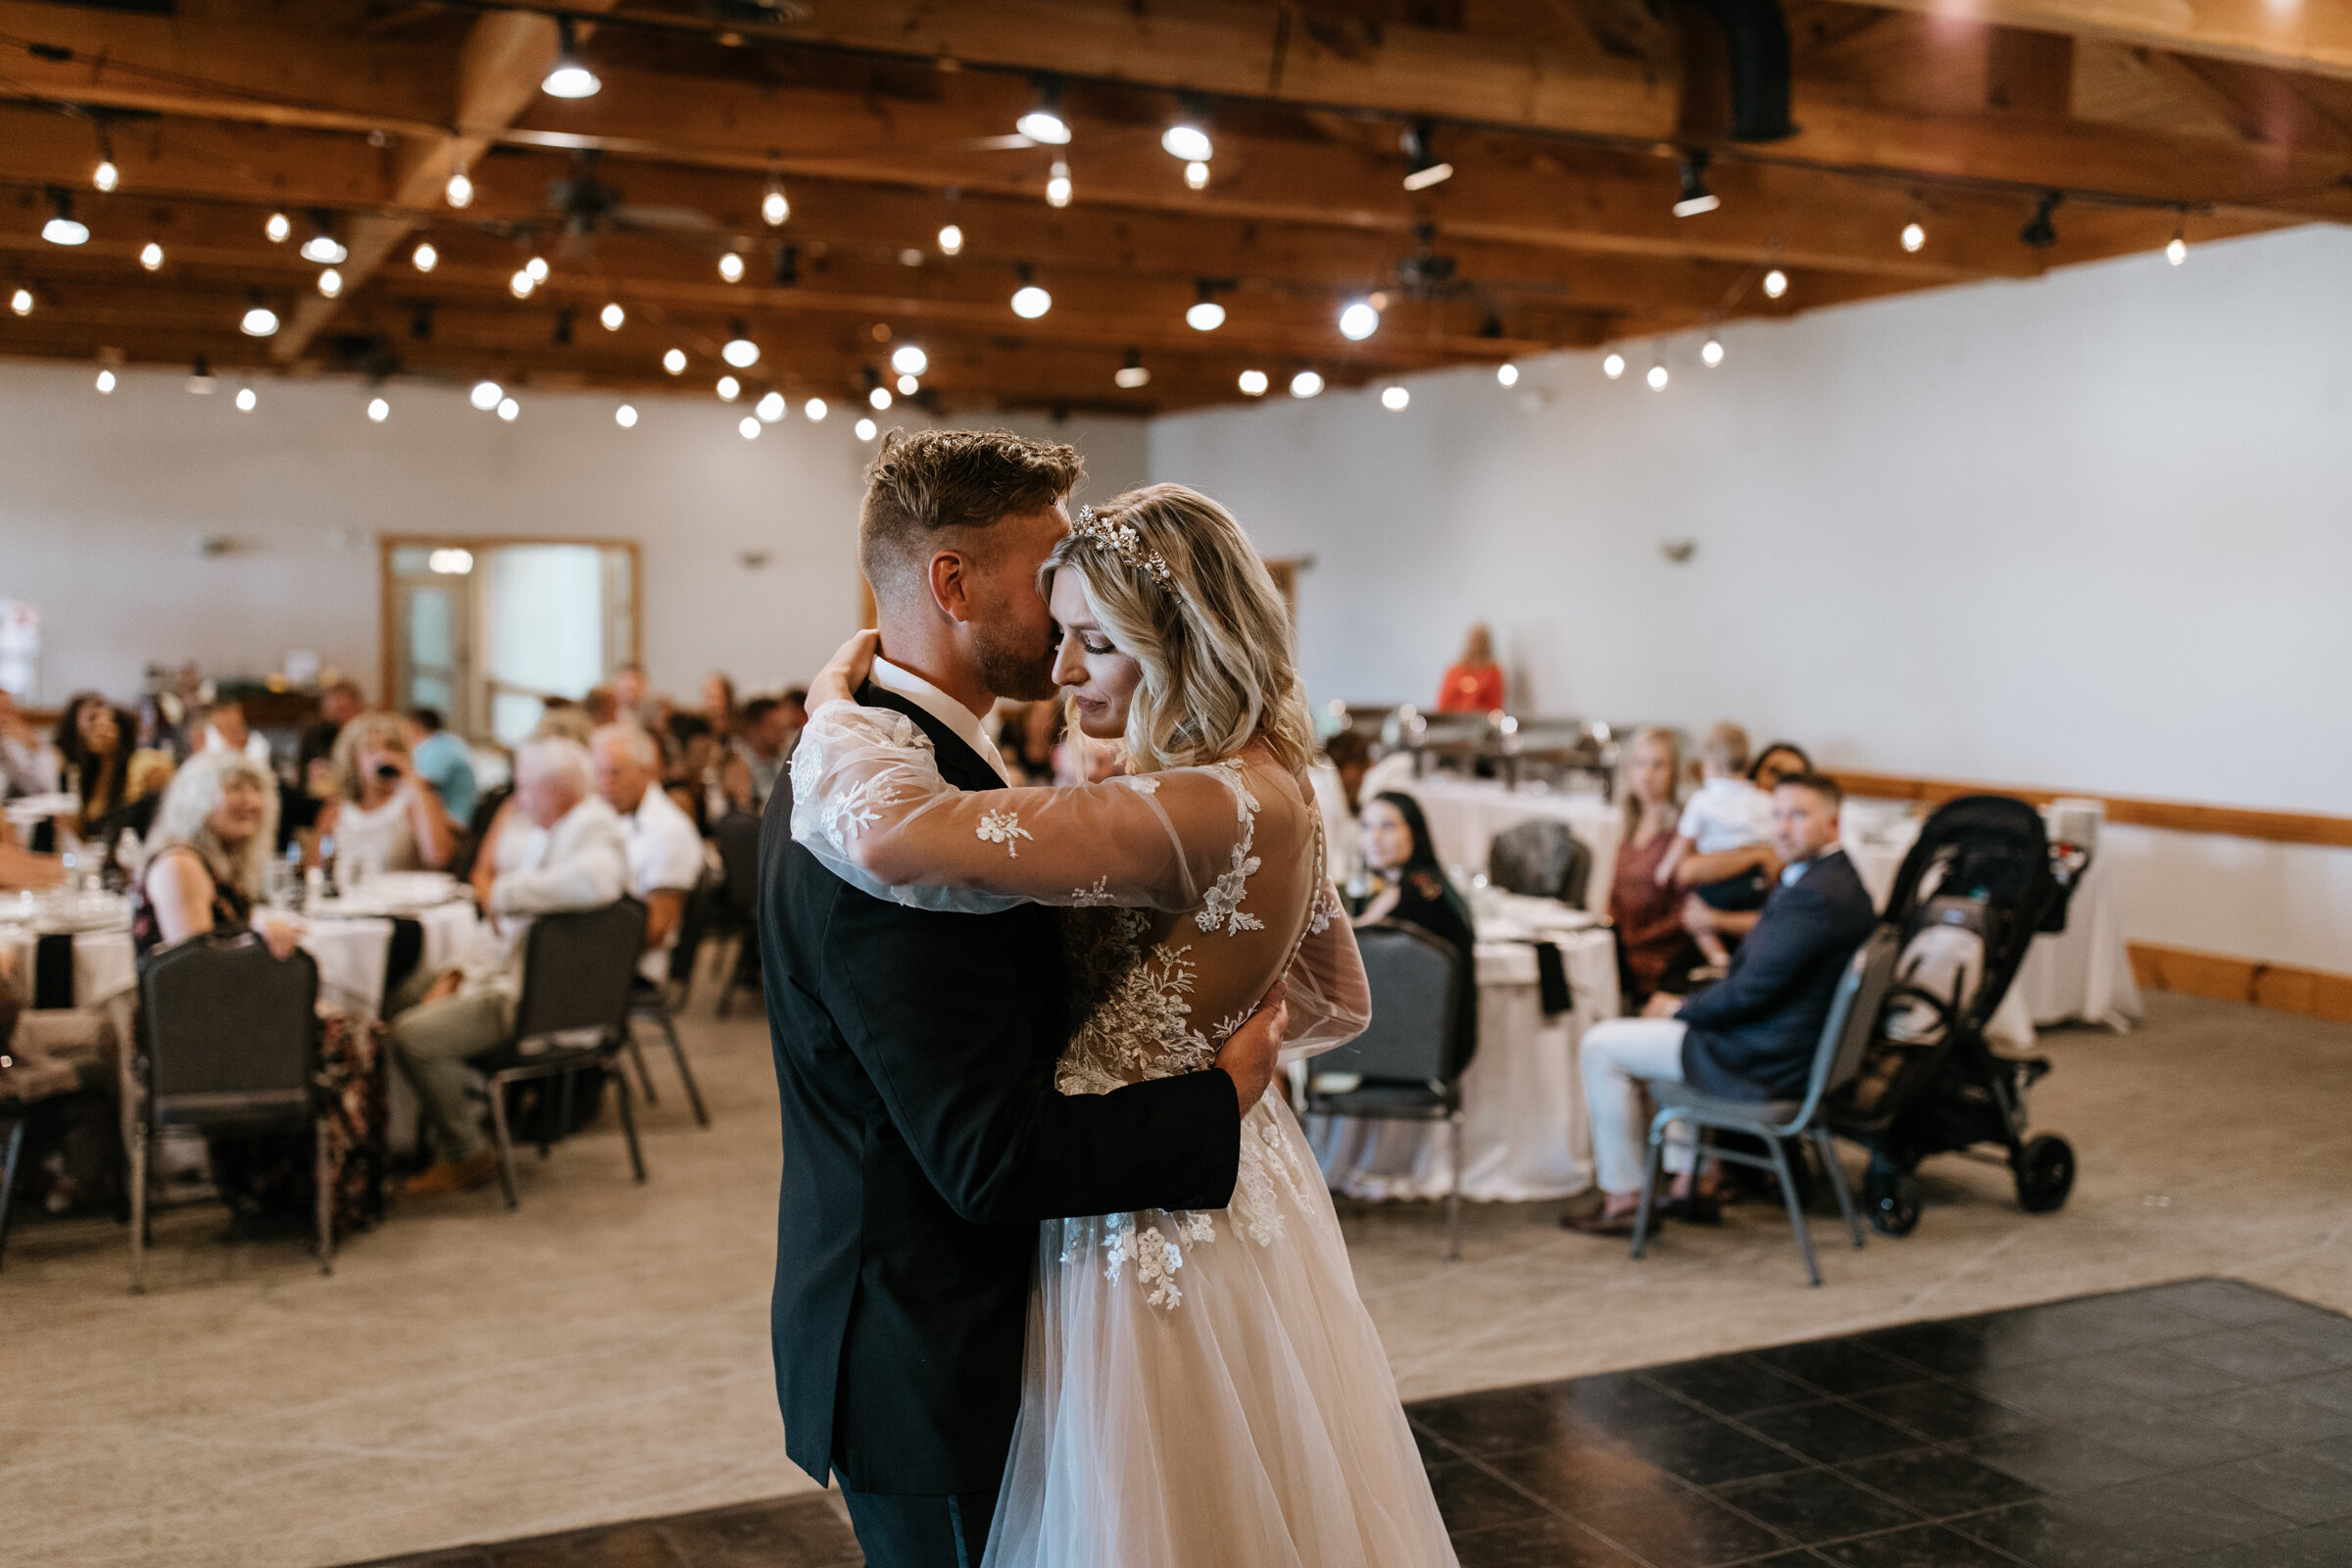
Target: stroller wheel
pixel 1890 1195
pixel 2046 1174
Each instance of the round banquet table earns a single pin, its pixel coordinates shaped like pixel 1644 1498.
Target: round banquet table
pixel 1524 1132
pixel 1465 815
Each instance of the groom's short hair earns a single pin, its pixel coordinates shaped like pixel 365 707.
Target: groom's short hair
pixel 929 489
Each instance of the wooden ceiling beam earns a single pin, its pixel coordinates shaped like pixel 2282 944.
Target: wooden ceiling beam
pixel 2313 36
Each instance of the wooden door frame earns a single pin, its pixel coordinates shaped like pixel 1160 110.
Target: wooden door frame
pixel 385 544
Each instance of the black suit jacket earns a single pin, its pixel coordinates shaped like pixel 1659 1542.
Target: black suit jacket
pixel 1752 1035
pixel 923 1142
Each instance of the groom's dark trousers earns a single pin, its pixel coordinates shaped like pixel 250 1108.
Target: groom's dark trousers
pixel 923 1142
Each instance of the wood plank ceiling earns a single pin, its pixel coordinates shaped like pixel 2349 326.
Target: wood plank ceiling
pixel 1567 123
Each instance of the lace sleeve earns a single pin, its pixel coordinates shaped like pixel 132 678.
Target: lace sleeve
pixel 1330 1000
pixel 869 802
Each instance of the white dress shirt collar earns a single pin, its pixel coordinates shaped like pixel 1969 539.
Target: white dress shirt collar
pixel 962 722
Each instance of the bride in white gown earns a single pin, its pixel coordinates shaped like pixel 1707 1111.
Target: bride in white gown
pixel 1199 1388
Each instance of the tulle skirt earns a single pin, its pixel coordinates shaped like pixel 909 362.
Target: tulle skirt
pixel 1207 1390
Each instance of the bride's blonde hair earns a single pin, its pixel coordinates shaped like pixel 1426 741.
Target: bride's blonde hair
pixel 1180 589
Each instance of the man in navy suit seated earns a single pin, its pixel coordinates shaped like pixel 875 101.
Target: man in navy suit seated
pixel 1752 1035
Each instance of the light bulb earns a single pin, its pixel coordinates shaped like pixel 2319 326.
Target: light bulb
pixel 1395 398
pixel 507 408
pixel 625 417
pixel 866 429
pixel 424 258
pixel 740 352
pixel 1306 384
pixel 1057 185
pixel 1613 365
pixel 1710 353
pixel 1029 301
pixel 1196 175
pixel 1185 141
pixel 277 229
pixel 378 409
pixel 1507 375
pixel 260 322
pixel 771 408
pixel 521 283
pixel 537 267
pixel 878 399
pixel 1358 322
pixel 816 409
pixel 1657 378
pixel 64 230
pixel 331 282
pixel 951 240
pixel 674 362
pixel 1253 383
pixel 21 302
pixel 1776 284
pixel 571 80
pixel 1914 236
pixel 1205 317
pixel 1128 377
pixel 730 267
pixel 729 390
pixel 324 249
pixel 749 427
pixel 105 380
pixel 485 395
pixel 1045 125
pixel 246 401
pixel 2176 251
pixel 613 315
pixel 458 192
pixel 909 386
pixel 105 177
pixel 773 207
pixel 151 256
pixel 908 358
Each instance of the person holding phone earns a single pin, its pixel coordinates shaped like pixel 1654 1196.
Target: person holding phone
pixel 382 817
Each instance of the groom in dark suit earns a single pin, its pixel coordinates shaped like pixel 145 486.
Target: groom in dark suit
pixel 924 1138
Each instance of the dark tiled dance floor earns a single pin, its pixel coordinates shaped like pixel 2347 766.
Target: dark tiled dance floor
pixel 2206 1424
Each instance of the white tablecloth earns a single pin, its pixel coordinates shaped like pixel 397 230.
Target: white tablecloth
pixel 104 965
pixel 1524 1131
pixel 1465 815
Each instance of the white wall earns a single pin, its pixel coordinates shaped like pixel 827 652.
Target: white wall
pixel 2093 531
pixel 102 497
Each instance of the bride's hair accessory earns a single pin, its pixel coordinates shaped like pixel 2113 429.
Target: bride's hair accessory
pixel 1122 541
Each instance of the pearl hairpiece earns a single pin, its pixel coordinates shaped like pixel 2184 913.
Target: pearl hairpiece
pixel 1122 541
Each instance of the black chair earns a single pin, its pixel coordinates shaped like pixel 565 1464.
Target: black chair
pixel 230 1044
pixel 1541 859
pixel 738 839
pixel 573 1017
pixel 1845 1036
pixel 1408 1060
pixel 664 1002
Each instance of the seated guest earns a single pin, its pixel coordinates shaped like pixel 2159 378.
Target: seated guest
pixel 1651 943
pixel 759 753
pixel 224 730
pixel 562 717
pixel 1407 884
pixel 1704 917
pixel 443 760
pixel 383 817
pixel 566 853
pixel 26 766
pixel 690 769
pixel 632 699
pixel 602 705
pixel 719 705
pixel 1722 851
pixel 1474 685
pixel 339 703
pixel 118 782
pixel 1338 778
pixel 665 852
pixel 1776 763
pixel 1750 1037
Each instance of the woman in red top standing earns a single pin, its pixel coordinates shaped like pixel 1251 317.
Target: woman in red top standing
pixel 1474 685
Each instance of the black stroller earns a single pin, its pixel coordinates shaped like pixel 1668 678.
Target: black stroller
pixel 1980 883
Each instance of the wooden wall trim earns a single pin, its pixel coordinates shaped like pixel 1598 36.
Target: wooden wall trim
pixel 2179 816
pixel 2314 993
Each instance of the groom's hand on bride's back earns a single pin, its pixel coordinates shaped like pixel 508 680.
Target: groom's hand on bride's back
pixel 1248 1053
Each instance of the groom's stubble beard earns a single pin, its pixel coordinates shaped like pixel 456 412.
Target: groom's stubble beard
pixel 1012 662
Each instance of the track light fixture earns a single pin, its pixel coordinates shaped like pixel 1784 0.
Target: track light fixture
pixel 1187 139
pixel 62 228
pixel 569 76
pixel 1029 301
pixel 259 320
pixel 1132 373
pixel 458 192
pixel 740 351
pixel 1695 197
pixel 200 377
pixel 322 247
pixel 1057 185
pixel 775 208
pixel 2176 250
pixel 908 358
pixel 1204 315
pixel 1422 169
pixel 378 411
pixel 1043 124
pixel 788 267
pixel 1306 384
pixel 1253 383
pixel 2040 232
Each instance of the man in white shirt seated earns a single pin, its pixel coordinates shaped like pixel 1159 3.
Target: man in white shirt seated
pixel 665 852
pixel 577 859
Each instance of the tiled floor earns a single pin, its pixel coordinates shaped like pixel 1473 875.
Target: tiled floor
pixel 2206 1424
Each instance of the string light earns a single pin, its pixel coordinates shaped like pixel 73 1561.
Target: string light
pixel 424 258
pixel 331 282
pixel 1776 284
pixel 1253 383
pixel 105 381
pixel 1710 353
pixel 740 351
pixel 247 401
pixel 61 227
pixel 817 410
pixel 613 315
pixel 569 76
pixel 750 428
pixel 521 283
pixel 866 429
pixel 878 399
pixel 1306 384
pixel 1057 185
pixel 909 359
pixel 771 408
pixel 458 192
pixel 951 240
pixel 279 228
pixel 728 389
pixel 1204 315
pixel 378 409
pixel 507 408
pixel 1358 320
pixel 625 417
pixel 730 267
pixel 322 247
pixel 1196 175
pixel 2176 250
pixel 485 395
pixel 1395 398
pixel 537 267
pixel 1029 301
pixel 1043 124
pixel 152 256
pixel 909 386
pixel 774 206
pixel 1914 236
pixel 674 362
pixel 1613 365
pixel 1507 375
pixel 259 320
pixel 105 177
pixel 21 302
pixel 1657 378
